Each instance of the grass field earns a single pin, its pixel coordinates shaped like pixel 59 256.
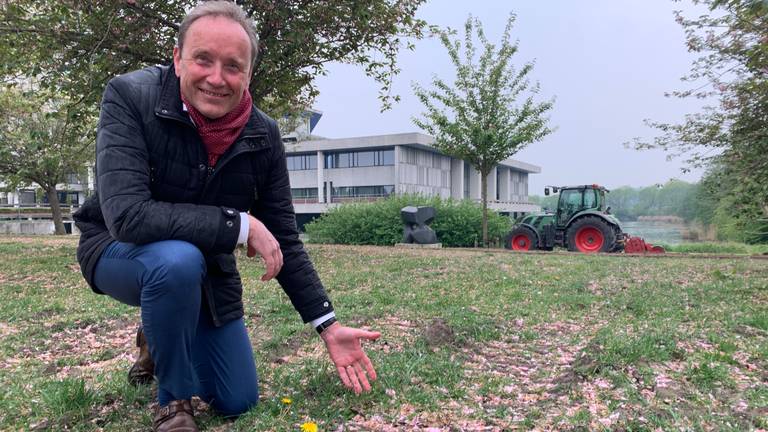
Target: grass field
pixel 472 341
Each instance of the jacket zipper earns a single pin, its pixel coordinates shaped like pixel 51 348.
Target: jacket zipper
pixel 213 170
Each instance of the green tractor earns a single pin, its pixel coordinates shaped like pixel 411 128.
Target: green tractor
pixel 582 223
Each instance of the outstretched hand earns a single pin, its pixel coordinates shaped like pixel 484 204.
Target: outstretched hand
pixel 354 368
pixel 263 243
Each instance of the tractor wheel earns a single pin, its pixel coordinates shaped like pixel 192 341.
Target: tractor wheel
pixel 521 239
pixel 591 234
pixel 617 245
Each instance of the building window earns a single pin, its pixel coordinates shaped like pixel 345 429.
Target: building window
pixel 514 178
pixel 73 178
pixel 360 159
pixel 363 191
pixel 498 184
pixel 525 186
pixel 27 196
pixel 302 162
pixel 304 193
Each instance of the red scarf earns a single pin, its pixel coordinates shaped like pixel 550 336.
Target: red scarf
pixel 219 134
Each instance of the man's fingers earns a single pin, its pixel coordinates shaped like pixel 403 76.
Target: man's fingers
pixel 370 335
pixel 369 367
pixel 278 254
pixel 263 243
pixel 344 377
pixel 353 378
pixel 273 262
pixel 270 264
pixel 361 376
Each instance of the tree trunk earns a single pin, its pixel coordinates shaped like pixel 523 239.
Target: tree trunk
pixel 484 198
pixel 58 221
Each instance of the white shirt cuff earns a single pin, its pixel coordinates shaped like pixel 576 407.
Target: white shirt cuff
pixel 245 226
pixel 317 321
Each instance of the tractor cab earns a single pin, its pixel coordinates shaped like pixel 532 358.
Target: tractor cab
pixel 577 199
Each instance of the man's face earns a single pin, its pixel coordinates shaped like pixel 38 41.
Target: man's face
pixel 214 67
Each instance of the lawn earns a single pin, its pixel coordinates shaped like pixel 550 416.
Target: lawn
pixel 471 341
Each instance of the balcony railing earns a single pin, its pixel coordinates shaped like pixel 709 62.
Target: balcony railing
pixel 358 198
pixel 340 199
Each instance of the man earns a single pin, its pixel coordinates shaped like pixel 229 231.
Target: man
pixel 187 169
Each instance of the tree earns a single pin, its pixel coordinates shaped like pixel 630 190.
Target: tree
pixel 75 47
pixel 482 120
pixel 41 141
pixel 730 135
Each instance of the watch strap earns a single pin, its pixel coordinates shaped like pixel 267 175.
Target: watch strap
pixel 325 324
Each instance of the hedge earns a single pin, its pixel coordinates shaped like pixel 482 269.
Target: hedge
pixel 457 223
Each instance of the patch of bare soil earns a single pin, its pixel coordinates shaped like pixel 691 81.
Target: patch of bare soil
pixel 410 420
pixel 6 329
pixel 546 380
pixel 529 373
pixel 293 349
pixel 93 347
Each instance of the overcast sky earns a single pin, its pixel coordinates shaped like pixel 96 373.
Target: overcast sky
pixel 608 63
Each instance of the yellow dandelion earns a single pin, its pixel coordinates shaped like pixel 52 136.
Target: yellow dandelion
pixel 286 401
pixel 309 427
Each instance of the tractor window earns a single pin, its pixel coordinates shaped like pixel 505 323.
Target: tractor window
pixel 570 202
pixel 590 201
pixel 570 199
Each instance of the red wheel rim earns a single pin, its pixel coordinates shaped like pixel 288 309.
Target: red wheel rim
pixel 521 242
pixel 589 239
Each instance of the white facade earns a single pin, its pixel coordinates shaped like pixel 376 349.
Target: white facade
pixel 327 172
pixel 73 193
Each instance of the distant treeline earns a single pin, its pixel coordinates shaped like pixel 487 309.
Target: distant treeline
pixel 675 198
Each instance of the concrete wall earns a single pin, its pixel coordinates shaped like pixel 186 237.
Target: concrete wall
pixel 303 178
pixel 518 186
pixel 457 179
pixel 424 172
pixel 504 183
pixel 33 227
pixel 474 184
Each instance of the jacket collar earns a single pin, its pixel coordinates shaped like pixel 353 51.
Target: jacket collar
pixel 169 104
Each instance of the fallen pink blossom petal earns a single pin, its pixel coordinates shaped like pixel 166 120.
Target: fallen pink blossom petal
pixel 741 406
pixel 662 381
pixel 602 383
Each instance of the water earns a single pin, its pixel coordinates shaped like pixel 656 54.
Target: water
pixel 655 232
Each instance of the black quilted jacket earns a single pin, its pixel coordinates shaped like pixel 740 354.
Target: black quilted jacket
pixel 154 184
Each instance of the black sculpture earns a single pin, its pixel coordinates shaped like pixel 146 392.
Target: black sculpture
pixel 416 220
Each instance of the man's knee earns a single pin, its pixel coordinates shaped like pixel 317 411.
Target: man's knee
pixel 234 406
pixel 177 264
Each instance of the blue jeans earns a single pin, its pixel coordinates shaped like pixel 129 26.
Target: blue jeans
pixel 191 355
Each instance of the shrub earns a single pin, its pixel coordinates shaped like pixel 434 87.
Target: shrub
pixel 457 223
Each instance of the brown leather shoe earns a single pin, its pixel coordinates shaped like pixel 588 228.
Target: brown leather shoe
pixel 143 370
pixel 177 416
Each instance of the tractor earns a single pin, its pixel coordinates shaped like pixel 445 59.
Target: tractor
pixel 581 223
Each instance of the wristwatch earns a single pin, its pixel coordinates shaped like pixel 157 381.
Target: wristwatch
pixel 325 324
